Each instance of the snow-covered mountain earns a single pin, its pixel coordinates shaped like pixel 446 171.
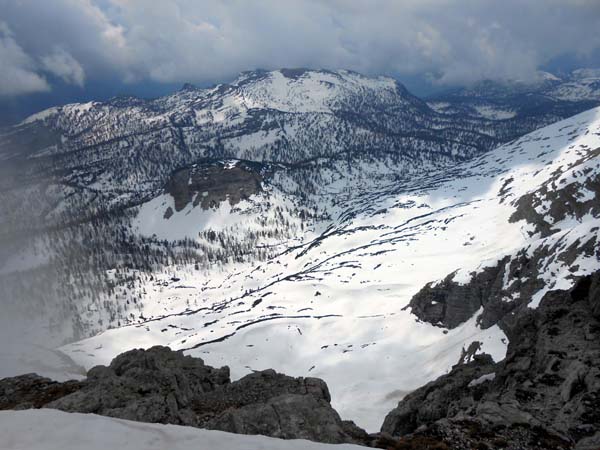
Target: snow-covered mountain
pixel 286 116
pixel 333 303
pixel 545 100
pixel 119 152
pixel 581 85
pixel 72 180
pixel 80 161
pixel 286 220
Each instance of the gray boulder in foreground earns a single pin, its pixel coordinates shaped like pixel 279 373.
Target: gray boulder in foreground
pixel 163 386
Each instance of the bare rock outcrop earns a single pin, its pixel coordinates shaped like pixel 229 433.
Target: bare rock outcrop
pixel 155 385
pixel 544 395
pixel 209 184
pixel 163 386
pixel 33 391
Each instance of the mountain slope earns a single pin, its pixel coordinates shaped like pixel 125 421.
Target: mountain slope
pixel 543 395
pixel 334 304
pixel 121 152
pixel 94 198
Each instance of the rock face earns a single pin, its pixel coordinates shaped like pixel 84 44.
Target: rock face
pixel 162 386
pixel 560 203
pixel 449 303
pixel 435 400
pixel 504 290
pixel 209 184
pixel 157 385
pixel 276 405
pixel 32 391
pixel 544 395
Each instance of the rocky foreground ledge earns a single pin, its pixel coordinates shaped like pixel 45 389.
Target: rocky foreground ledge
pixel 159 385
pixel 545 395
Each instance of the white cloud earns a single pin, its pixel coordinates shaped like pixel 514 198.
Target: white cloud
pixel 17 70
pixel 61 64
pixel 456 41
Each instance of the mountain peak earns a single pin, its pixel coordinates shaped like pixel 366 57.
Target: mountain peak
pixel 188 87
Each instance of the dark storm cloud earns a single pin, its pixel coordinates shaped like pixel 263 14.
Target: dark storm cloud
pixel 173 41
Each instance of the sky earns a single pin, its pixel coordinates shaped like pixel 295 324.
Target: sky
pixel 57 51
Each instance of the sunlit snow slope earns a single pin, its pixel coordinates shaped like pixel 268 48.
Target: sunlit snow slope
pixel 333 306
pixel 93 196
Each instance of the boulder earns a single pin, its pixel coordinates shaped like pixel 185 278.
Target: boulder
pixel 33 391
pixel 155 385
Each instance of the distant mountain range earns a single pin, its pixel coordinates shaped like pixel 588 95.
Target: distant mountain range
pixel 549 97
pixel 123 151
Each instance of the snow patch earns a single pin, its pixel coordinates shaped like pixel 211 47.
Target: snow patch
pixel 45 429
pixel 482 379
